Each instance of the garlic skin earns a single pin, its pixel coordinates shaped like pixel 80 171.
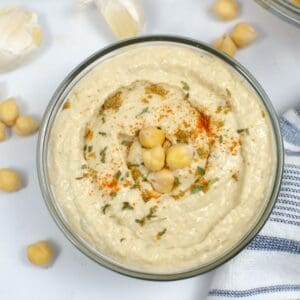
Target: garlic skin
pixel 20 34
pixel 124 17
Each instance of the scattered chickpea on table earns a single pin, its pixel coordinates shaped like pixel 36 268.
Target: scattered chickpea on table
pixel 40 253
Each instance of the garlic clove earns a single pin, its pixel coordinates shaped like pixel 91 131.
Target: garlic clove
pixel 124 17
pixel 20 34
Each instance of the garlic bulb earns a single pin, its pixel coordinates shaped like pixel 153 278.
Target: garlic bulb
pixel 124 17
pixel 20 34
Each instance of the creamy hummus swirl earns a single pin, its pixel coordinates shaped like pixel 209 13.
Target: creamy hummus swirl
pixel 105 190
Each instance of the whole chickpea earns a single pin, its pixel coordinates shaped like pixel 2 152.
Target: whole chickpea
pixel 25 125
pixel 243 34
pixel 162 181
pixel 151 136
pixel 2 131
pixel 154 159
pixel 40 253
pixel 9 180
pixel 226 9
pixel 179 156
pixel 225 44
pixel 9 111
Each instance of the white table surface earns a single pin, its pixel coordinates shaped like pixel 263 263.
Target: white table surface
pixel 70 36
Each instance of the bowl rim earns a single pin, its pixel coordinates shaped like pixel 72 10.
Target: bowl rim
pixel 287 11
pixel 50 114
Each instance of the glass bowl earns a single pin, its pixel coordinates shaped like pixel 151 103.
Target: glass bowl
pixel 284 9
pixel 55 105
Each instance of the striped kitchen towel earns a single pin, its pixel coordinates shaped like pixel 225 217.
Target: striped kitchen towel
pixel 269 267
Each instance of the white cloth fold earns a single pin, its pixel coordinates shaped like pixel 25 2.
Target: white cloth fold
pixel 269 267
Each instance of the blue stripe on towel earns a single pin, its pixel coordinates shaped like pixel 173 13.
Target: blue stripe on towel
pixel 271 243
pixel 290 132
pixel 255 291
pixel 289 196
pixel 284 221
pixel 288 202
pixel 287 215
pixel 287 208
pixel 291 166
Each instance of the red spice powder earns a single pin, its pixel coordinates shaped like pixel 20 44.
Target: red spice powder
pixel 203 123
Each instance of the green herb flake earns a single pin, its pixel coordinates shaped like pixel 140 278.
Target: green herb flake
pixel 83 166
pixel 196 188
pixel 104 208
pixel 176 182
pixel 145 110
pixel 78 178
pixel 84 148
pixel 200 171
pixel 122 239
pixel 185 86
pixel 243 130
pixel 135 186
pixel 151 213
pixel 213 180
pixel 221 139
pixel 113 194
pixel 117 175
pixel 103 119
pixel 141 221
pixel 126 205
pixel 126 143
pixel 90 148
pixel 131 165
pixel 228 93
pixel 161 233
pixel 103 154
pixel 102 133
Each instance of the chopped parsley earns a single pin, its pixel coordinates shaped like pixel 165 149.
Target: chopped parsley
pixel 151 213
pixel 117 175
pixel 126 143
pixel 122 239
pixel 83 166
pixel 200 171
pixel 228 93
pixel 102 133
pixel 104 208
pixel 113 194
pixel 195 188
pixel 161 233
pixel 132 165
pixel 176 182
pixel 135 186
pixel 243 130
pixel 90 148
pixel 145 110
pixel 78 178
pixel 126 205
pixel 141 221
pixel 85 147
pixel 221 139
pixel 185 86
pixel 103 154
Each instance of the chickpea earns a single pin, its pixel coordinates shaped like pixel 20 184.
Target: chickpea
pixel 25 125
pixel 162 181
pixel 226 9
pixel 40 253
pixel 2 131
pixel 243 34
pixel 154 159
pixel 225 44
pixel 9 180
pixel 135 153
pixel 9 111
pixel 179 156
pixel 151 136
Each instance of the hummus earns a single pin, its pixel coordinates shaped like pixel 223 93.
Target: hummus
pixel 105 190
